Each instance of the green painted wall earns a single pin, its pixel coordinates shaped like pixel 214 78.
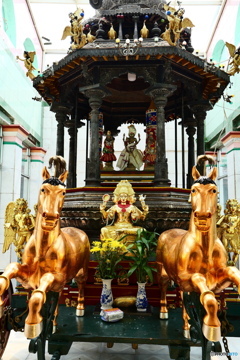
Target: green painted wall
pixel 9 23
pixel 16 89
pixel 16 93
pixel 220 119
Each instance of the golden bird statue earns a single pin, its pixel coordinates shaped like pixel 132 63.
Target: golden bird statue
pixel 144 31
pixel 112 33
pixel 90 37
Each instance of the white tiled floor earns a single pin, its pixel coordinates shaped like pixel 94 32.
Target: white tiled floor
pixel 17 349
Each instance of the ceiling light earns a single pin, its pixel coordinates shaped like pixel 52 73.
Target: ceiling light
pixel 131 76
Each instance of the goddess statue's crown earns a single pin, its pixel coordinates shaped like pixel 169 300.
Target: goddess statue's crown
pixel 124 187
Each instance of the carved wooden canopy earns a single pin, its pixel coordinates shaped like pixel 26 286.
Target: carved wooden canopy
pixel 101 63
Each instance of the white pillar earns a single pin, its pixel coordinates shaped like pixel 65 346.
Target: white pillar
pixel 13 137
pixel 231 143
pixel 36 165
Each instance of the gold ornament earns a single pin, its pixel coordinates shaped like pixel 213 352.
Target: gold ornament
pixel 28 63
pixel 52 256
pixel 176 24
pixel 121 216
pixel 234 60
pixel 144 31
pixel 75 30
pixel 196 259
pixel 229 230
pixel 18 227
pixel 112 33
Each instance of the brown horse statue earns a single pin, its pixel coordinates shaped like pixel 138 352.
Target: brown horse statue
pixel 51 257
pixel 196 259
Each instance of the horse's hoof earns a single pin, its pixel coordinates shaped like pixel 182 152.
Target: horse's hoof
pixel 79 312
pixel 211 333
pixel 163 315
pixel 54 329
pixel 186 334
pixel 32 331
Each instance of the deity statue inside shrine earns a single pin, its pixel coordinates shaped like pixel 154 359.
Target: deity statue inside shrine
pixel 149 155
pixel 229 229
pixel 120 218
pixel 131 157
pixel 108 155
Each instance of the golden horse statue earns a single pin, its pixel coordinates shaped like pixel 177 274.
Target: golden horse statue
pixel 52 256
pixel 196 259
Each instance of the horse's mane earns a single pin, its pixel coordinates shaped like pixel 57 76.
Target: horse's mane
pixel 204 180
pixel 53 181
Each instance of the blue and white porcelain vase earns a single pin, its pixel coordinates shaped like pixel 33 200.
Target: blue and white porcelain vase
pixel 106 299
pixel 141 302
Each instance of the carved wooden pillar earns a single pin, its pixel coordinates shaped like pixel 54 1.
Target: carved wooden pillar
pixel 95 97
pixel 61 117
pixel 159 93
pixel 200 112
pixel 72 166
pixel 191 154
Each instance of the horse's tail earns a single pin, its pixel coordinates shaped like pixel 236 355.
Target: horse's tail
pixel 59 165
pixel 204 158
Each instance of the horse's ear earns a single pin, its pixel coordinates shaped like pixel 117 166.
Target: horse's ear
pixel 63 176
pixel 195 173
pixel 45 173
pixel 213 174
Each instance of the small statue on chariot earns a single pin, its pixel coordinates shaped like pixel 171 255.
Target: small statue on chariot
pixel 149 155
pixel 229 230
pixel 108 155
pixel 18 227
pixel 121 217
pixel 130 157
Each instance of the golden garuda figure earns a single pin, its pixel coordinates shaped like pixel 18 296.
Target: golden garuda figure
pixel 177 23
pixel 28 63
pixel 75 30
pixel 19 225
pixel 234 61
pixel 229 230
pixel 121 217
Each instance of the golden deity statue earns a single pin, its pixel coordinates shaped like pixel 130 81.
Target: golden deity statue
pixel 234 61
pixel 75 30
pixel 28 63
pixel 121 216
pixel 177 23
pixel 229 230
pixel 19 225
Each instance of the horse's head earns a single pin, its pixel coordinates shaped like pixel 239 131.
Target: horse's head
pixel 51 199
pixel 204 198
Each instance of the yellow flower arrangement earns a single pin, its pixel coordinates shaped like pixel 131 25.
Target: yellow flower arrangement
pixel 108 253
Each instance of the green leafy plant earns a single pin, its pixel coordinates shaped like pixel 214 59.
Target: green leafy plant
pixel 108 254
pixel 140 252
